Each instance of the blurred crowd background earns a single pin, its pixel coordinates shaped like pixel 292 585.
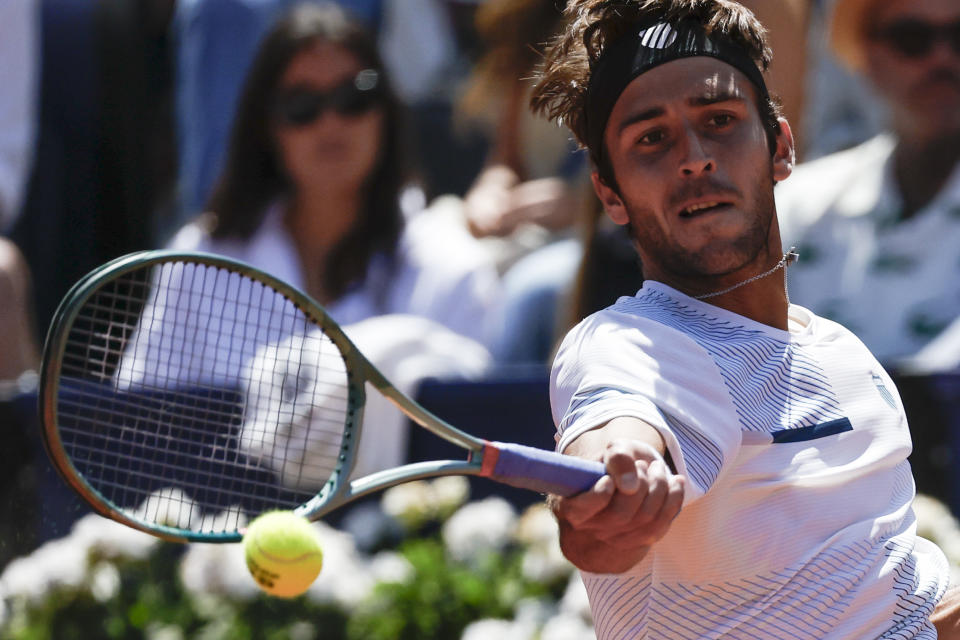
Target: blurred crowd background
pixel 379 155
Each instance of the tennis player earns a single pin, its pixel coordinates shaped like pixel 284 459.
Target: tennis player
pixel 758 479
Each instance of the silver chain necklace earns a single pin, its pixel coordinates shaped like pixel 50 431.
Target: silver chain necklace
pixel 788 258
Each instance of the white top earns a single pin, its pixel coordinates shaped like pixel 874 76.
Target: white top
pixel 439 276
pixel 797 521
pixel 896 284
pixel 436 277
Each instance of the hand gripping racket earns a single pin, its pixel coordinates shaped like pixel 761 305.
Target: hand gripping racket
pixel 184 394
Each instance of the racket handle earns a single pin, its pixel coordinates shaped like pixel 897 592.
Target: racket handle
pixel 539 470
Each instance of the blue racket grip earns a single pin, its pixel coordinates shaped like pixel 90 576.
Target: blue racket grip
pixel 539 470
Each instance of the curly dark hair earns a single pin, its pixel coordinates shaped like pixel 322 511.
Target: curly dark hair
pixel 592 26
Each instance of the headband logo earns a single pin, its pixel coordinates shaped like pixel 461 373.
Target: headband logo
pixel 659 36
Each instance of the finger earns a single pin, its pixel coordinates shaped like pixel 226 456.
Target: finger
pixel 624 506
pixel 672 503
pixel 581 508
pixel 677 487
pixel 658 484
pixel 622 466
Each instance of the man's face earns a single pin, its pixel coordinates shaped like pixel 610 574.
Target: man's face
pixel 694 170
pixel 913 60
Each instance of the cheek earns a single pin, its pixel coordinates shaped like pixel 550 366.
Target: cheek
pixel 888 74
pixel 291 151
pixel 370 139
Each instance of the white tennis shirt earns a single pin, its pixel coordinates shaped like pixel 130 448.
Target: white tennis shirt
pixel 797 521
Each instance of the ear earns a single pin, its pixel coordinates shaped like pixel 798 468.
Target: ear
pixel 612 203
pixel 785 155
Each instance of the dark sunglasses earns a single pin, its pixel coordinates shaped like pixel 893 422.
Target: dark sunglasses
pixel 916 39
pixel 299 106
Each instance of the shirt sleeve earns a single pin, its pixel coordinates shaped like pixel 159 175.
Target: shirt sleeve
pixel 606 369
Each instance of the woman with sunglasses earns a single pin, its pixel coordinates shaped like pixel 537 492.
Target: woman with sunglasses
pixel 312 184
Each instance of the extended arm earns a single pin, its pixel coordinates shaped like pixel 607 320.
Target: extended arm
pixel 610 528
pixel 946 616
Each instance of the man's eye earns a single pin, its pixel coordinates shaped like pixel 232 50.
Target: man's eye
pixel 721 119
pixel 651 138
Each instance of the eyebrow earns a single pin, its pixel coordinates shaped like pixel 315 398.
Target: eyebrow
pixel 704 100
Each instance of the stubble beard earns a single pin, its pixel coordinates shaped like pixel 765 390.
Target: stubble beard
pixel 714 259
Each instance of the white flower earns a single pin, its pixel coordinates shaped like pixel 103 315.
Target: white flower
pixel 390 566
pixel 533 612
pixel 58 563
pixel 537 525
pixel 490 628
pixel 110 539
pixel 104 581
pixel 567 626
pixel 345 578
pixel 543 561
pixel 164 632
pixel 575 600
pixel 414 503
pixel 411 502
pixel 217 569
pixel 545 564
pixel 478 528
pixel 450 493
pixel 302 630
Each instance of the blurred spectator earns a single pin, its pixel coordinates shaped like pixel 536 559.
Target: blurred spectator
pixel 104 154
pixel 878 226
pixel 311 189
pixel 528 162
pixel 19 66
pixel 524 203
pixel 789 23
pixel 216 41
pixel 19 57
pixel 840 110
pixel 19 352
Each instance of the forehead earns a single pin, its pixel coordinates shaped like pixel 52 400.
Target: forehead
pixel 936 10
pixel 678 82
pixel 321 65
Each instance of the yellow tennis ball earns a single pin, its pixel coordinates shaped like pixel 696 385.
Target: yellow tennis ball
pixel 283 553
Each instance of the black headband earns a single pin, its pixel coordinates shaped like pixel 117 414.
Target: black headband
pixel 648 47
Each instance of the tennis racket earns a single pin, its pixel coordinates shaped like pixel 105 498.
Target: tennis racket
pixel 183 394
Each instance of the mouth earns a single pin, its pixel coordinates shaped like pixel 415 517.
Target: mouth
pixel 702 208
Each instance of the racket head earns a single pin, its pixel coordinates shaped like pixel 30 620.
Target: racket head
pixel 147 441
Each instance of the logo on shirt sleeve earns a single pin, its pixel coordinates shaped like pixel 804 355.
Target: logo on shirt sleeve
pixel 884 392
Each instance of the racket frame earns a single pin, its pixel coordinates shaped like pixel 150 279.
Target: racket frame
pixel 337 491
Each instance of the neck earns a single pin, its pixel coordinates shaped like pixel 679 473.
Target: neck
pixel 320 220
pixel 758 292
pixel 317 223
pixel 922 168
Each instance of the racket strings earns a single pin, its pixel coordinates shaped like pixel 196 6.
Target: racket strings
pixel 193 396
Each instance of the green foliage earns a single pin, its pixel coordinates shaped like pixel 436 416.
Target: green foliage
pixel 442 597
pixel 437 598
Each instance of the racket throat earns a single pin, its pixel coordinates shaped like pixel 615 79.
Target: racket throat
pixel 488 457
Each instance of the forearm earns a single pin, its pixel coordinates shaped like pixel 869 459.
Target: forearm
pixel 946 615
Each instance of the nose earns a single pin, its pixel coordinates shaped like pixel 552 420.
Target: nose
pixel 696 159
pixel 943 53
